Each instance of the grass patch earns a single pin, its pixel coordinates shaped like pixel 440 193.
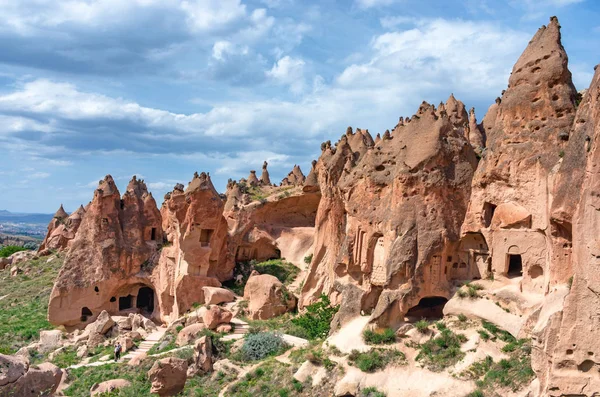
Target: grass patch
pixel 82 379
pixel 66 357
pixel 514 372
pixel 371 392
pixel 167 342
pixel 498 333
pixel 443 351
pixel 23 312
pixel 270 379
pixel 462 318
pixel 7 251
pixel 284 271
pixel 422 326
pixel 375 359
pixel 385 337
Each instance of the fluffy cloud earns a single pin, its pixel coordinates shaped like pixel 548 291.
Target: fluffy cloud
pixel 289 71
pixel 374 3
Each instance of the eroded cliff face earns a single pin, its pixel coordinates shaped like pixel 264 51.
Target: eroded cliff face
pixel 566 353
pixel 390 215
pixel 195 251
pixel 511 210
pixel 110 258
pixel 269 221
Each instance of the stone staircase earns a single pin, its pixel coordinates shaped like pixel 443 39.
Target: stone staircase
pixel 146 344
pixel 239 327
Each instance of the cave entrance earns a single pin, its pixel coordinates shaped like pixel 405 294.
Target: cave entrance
pixel 145 300
pixel 85 314
pixel 125 302
pixel 515 265
pixel 153 234
pixel 430 308
pixel 488 213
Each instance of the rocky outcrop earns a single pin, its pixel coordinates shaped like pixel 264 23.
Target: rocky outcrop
pixel 294 178
pixel 267 297
pixel 109 386
pixel 566 353
pixel 516 174
pixel 168 376
pixel 110 262
pixel 390 214
pixel 216 296
pixel 264 178
pixel 195 254
pixel 19 378
pixel 62 229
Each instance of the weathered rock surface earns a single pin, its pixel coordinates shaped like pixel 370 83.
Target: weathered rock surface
pixel 189 334
pixel 62 229
pixel 168 376
pixel 109 386
pixel 203 357
pixel 216 316
pixel 390 214
pixel 19 378
pixel 216 296
pixel 267 297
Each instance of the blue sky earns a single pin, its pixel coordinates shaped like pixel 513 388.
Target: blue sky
pixel 163 88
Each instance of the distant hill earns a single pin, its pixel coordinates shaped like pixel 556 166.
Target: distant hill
pixel 18 217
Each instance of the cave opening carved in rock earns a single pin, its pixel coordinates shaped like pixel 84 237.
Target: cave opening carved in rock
pixel 515 265
pixel 430 308
pixel 145 300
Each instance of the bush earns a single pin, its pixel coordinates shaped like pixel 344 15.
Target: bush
pixel 371 392
pixel 284 271
pixel 476 393
pixel 308 259
pixel 317 318
pixel 7 251
pixel 443 351
pixel 375 359
pixel 484 335
pixel 422 326
pixel 386 337
pixel 462 318
pixel 462 293
pixel 262 345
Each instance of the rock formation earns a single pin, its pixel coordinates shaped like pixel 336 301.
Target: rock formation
pixel 390 214
pixel 168 376
pixel 109 265
pixel 195 254
pixel 62 229
pixel 566 353
pixel 267 297
pixel 264 178
pixel 294 178
pixel 19 378
pixel 514 179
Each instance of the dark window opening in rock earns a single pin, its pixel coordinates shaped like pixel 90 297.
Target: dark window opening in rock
pixel 515 265
pixel 455 265
pixel 122 204
pixel 586 366
pixel 430 308
pixel 125 302
pixel 449 259
pixel 488 213
pixel 535 271
pixel 561 229
pixel 113 299
pixel 96 289
pixel 85 314
pixel 153 234
pixel 463 265
pixel 145 299
pixel 205 235
pixel 379 168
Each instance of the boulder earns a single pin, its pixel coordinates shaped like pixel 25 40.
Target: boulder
pixel 189 334
pixel 124 322
pixel 224 328
pixel 137 359
pixel 50 340
pixel 216 295
pixel 109 386
pixel 21 256
pixel 95 339
pixel 14 271
pixel 103 323
pixel 82 351
pixel 168 376
pixel 215 316
pixel 267 297
pixel 3 263
pixel 18 378
pixel 126 343
pixel 203 358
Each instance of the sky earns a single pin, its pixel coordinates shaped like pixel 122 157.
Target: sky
pixel 163 88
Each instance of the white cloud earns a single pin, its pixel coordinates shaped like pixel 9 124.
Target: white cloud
pixel 223 48
pixel 39 175
pixel 207 15
pixel 374 3
pixel 392 22
pixel 289 71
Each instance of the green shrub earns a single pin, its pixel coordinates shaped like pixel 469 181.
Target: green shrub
pixel 375 359
pixel 443 351
pixel 371 392
pixel 262 345
pixel 484 335
pixel 308 259
pixel 386 337
pixel 462 293
pixel 317 318
pixel 476 393
pixel 462 318
pixel 7 251
pixel 422 326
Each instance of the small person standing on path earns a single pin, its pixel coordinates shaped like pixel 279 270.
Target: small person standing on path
pixel 118 352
